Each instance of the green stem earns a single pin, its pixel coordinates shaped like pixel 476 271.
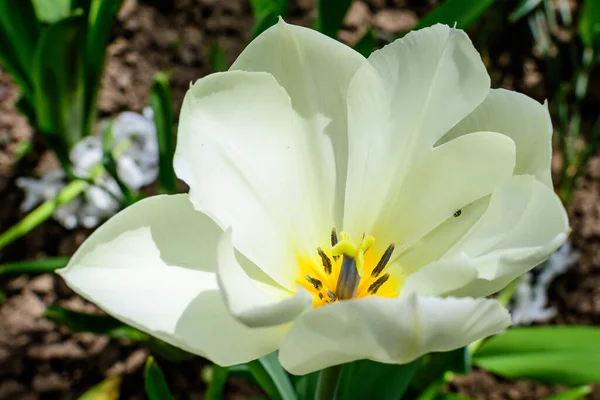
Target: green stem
pixel 42 213
pixel 329 378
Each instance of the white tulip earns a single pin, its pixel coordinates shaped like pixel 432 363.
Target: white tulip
pixel 439 188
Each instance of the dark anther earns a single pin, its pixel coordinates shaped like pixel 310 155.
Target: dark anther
pixel 331 295
pixel 385 258
pixel 334 240
pixel 378 283
pixel 315 282
pixel 320 295
pixel 457 213
pixel 326 261
pixel 334 237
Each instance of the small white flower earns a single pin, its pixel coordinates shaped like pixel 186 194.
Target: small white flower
pixel 439 187
pixel 531 296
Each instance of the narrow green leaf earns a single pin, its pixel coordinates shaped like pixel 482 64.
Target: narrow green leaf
pixel 559 354
pixel 589 24
pixel 366 44
pixel 216 56
pixel 102 14
pixel 50 11
pixel 330 16
pixel 21 30
pixel 266 13
pixel 306 386
pixel 34 266
pixel 156 385
pixel 217 382
pixel 571 394
pixel 435 367
pixel 452 396
pixel 2 297
pixel 272 378
pixel 57 80
pixel 100 324
pixel 463 13
pixel 368 379
pixel 162 106
pixel 522 9
pixel 105 390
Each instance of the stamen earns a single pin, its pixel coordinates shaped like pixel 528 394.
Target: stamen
pixel 320 296
pixel 334 240
pixel 347 283
pixel 331 295
pixel 385 258
pixel 314 281
pixel 378 283
pixel 326 261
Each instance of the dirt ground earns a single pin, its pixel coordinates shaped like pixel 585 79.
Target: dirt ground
pixel 39 360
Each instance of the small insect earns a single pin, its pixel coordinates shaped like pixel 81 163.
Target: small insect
pixel 457 213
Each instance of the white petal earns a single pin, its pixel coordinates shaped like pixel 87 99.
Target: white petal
pixel 315 70
pixel 254 302
pixel 408 96
pixel 449 178
pixel 522 119
pixel 253 165
pixel 153 267
pixel 523 225
pixel 387 330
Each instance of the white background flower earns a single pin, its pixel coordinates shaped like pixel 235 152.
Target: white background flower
pixel 303 134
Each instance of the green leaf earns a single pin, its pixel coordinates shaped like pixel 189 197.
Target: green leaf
pixel 306 386
pixel 156 385
pixel 34 266
pixel 57 80
pixel 435 366
pixel 102 14
pixel 559 354
pixel 50 11
pixel 216 384
pixel 571 394
pixel 162 106
pixel 522 9
pixel 266 13
pixel 100 324
pixel 452 396
pixel 366 44
pixel 272 378
pixel 463 13
pixel 330 16
pixel 589 24
pixel 216 56
pixel 20 31
pixel 2 297
pixel 368 379
pixel 105 390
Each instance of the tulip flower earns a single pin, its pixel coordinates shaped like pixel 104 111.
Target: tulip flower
pixel 340 208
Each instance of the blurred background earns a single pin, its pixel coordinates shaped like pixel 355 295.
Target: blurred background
pixel 90 92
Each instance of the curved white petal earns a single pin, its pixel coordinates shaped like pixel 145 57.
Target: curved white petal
pixel 409 95
pixel 387 330
pixel 522 119
pixel 253 164
pixel 315 70
pixel 447 179
pixel 255 303
pixel 523 225
pixel 153 267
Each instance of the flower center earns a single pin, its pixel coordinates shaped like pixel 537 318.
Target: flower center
pixel 347 270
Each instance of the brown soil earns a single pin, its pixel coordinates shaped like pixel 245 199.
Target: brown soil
pixel 39 360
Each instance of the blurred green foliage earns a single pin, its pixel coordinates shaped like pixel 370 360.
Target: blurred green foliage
pixel 55 52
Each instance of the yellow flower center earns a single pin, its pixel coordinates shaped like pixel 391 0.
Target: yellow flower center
pixel 347 270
